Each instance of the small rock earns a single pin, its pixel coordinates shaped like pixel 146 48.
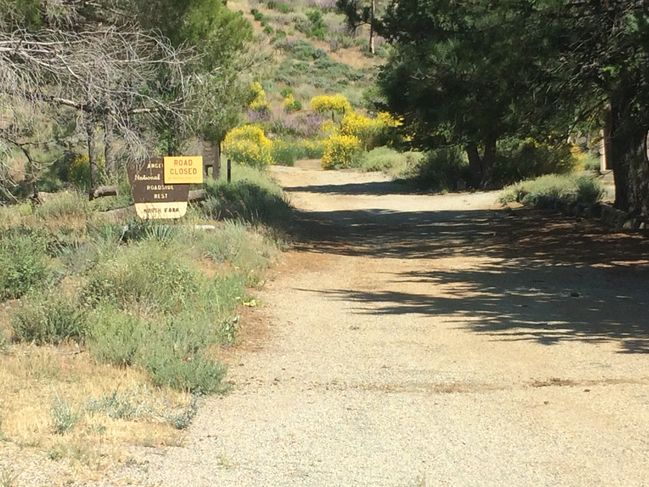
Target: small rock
pixel 575 294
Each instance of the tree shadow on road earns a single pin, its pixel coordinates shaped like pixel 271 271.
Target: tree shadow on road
pixel 534 276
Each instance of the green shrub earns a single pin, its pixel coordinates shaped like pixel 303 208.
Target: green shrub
pixel 315 27
pixel 63 205
pixel 79 171
pixel 249 252
pixel 147 274
pixel 303 51
pixel 389 160
pixel 64 419
pixel 555 191
pixel 23 263
pixel 440 170
pixel 252 198
pixel 589 191
pixel 286 153
pixel 198 374
pixel 313 149
pixel 281 7
pixel 592 164
pixel 49 317
pixel 520 159
pixel 116 336
pixel 257 15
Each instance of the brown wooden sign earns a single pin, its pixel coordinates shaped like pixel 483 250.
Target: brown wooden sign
pixel 153 198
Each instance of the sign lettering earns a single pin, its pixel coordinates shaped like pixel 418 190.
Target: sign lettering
pixel 183 170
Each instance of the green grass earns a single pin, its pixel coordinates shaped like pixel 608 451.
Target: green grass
pixel 61 205
pixel 49 317
pixel 389 161
pixel 555 191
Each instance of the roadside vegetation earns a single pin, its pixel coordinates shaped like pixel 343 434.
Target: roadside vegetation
pixel 115 326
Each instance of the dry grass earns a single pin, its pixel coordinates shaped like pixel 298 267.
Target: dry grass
pixel 33 380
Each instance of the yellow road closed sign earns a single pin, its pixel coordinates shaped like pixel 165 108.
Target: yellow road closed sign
pixel 183 170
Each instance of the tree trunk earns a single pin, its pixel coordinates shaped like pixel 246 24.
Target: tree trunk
pixel 481 167
pixel 91 133
pixel 629 160
pixel 372 7
pixel 475 165
pixel 488 161
pixel 631 171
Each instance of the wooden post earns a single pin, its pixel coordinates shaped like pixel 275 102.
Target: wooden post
pixel 229 170
pixel 212 158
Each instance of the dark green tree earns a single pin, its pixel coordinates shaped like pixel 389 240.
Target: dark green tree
pixel 459 75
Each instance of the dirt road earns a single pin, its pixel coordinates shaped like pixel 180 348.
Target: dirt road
pixel 416 340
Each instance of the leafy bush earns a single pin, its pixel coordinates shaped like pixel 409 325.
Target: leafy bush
pixel 234 243
pixel 592 164
pixel 389 160
pixel 116 336
pixel 247 201
pixel 196 374
pixel 248 145
pixel 79 171
pixel 341 151
pixel 281 7
pixel 520 159
pixel 302 50
pixel 290 104
pixel 49 317
pixel 440 170
pixel 313 149
pixel 23 263
pixel 286 153
pixel 312 25
pixel 147 275
pixel 555 191
pixel 258 98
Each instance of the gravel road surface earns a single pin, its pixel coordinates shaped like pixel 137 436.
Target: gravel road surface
pixel 418 340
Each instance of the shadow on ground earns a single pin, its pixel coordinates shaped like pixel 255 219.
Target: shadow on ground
pixel 538 277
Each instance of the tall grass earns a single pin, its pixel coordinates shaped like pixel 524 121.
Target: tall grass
pixel 555 192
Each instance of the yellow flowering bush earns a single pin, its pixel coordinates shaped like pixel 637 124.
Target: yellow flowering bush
pixel 340 151
pixel 334 104
pixel 388 120
pixel 291 104
pixel 248 145
pixel 359 126
pixel 259 102
pixel 371 131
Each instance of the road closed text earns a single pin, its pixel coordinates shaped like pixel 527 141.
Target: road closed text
pixel 183 170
